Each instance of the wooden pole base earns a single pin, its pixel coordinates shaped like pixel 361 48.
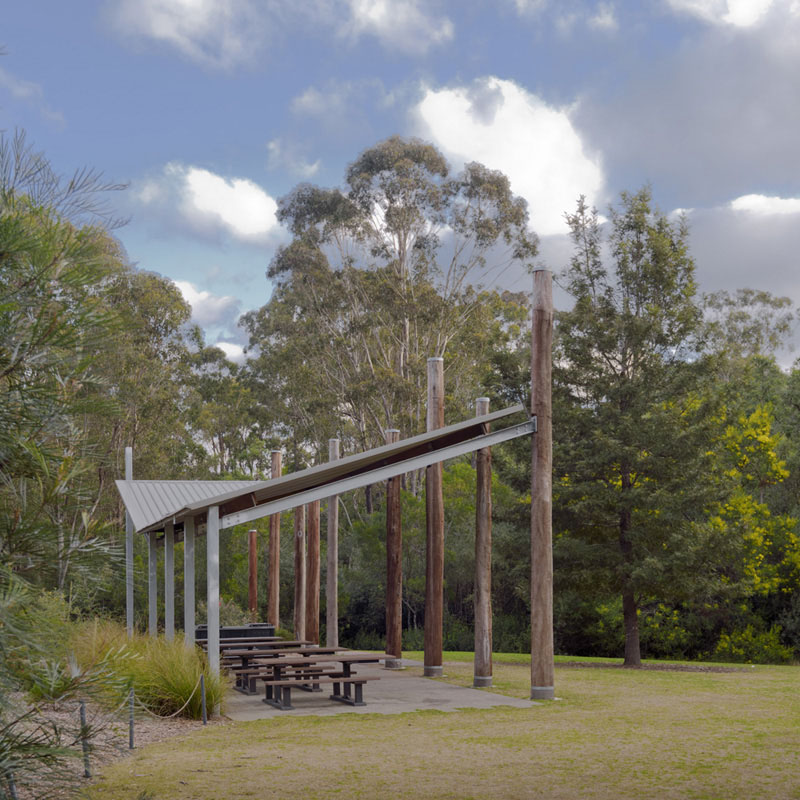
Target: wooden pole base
pixel 433 672
pixel 482 681
pixel 543 693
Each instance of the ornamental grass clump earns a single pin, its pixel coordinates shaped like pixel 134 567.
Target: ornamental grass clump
pixel 164 675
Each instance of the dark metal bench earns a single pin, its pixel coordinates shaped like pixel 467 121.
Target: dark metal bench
pixel 278 693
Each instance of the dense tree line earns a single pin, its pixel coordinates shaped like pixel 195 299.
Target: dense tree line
pixel 676 451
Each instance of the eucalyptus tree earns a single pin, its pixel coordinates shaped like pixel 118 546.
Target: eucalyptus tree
pixel 381 275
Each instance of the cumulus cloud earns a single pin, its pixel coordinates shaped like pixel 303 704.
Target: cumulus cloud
pixel 207 201
pixel 604 18
pixel 765 205
pixel 738 13
pixel 219 33
pixel 398 24
pixel 505 127
pixel 208 309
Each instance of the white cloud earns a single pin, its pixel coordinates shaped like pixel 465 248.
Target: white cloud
pixel 283 156
pixel 208 309
pixel 237 203
pixel 28 92
pixel 604 18
pixel 233 352
pixel 398 24
pixel 764 205
pixel 221 33
pixel 211 203
pixel 501 125
pixel 738 13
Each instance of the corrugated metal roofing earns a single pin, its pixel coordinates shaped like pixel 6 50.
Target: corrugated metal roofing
pixel 149 502
pixel 237 495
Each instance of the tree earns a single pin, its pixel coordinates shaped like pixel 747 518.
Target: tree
pixel 631 455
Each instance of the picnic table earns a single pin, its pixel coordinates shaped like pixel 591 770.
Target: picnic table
pixel 249 659
pixel 283 673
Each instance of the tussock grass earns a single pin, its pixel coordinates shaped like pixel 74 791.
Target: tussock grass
pixel 612 734
pixel 163 674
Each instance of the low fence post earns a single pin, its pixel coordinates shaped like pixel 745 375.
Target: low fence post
pixel 130 719
pixel 203 698
pixel 87 773
pixel 12 787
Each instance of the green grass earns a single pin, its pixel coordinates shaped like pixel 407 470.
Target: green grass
pixel 612 734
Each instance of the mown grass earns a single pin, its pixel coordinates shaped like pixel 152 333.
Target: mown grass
pixel 612 734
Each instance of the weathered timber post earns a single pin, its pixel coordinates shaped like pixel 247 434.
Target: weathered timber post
pixel 482 672
pixel 542 666
pixel 129 548
pixel 332 576
pixel 313 573
pixel 300 572
pixel 152 584
pixel 434 540
pixel 252 564
pixel 394 568
pixel 212 587
pixel 274 576
pixel 188 582
pixel 169 581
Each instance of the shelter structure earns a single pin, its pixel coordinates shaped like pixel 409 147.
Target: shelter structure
pixel 169 509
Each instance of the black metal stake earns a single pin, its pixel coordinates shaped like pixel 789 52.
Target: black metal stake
pixel 12 787
pixel 203 698
pixel 130 719
pixel 87 773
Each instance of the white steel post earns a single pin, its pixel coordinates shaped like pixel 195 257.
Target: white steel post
pixel 152 583
pixel 212 592
pixel 188 581
pixel 129 548
pixel 169 581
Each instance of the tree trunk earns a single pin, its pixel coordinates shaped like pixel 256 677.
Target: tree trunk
pixel 630 616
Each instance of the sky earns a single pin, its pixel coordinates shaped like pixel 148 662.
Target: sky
pixel 211 110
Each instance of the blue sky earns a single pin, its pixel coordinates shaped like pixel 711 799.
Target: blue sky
pixel 211 110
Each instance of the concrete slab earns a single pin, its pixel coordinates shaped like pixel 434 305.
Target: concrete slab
pixel 397 692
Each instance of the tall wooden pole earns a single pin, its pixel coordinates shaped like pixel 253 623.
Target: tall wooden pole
pixel 542 666
pixel 434 540
pixel 332 575
pixel 394 568
pixel 252 563
pixel 300 572
pixel 274 576
pixel 313 573
pixel 483 558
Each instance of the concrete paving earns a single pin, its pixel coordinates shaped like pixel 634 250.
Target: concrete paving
pixel 396 692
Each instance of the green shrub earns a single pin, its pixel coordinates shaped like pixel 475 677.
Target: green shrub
pixel 230 613
pixel 753 647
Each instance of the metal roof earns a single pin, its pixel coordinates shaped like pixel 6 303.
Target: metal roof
pixel 148 502
pixel 243 501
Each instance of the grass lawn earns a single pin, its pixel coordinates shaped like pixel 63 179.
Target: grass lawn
pixel 612 734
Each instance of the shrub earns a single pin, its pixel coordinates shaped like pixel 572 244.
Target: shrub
pixel 752 646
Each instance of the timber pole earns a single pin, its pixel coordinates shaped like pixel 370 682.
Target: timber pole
pixel 332 574
pixel 300 572
pixel 252 583
pixel 188 582
pixel 274 566
pixel 434 538
pixel 313 574
pixel 394 568
pixel 129 549
pixel 483 558
pixel 542 662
